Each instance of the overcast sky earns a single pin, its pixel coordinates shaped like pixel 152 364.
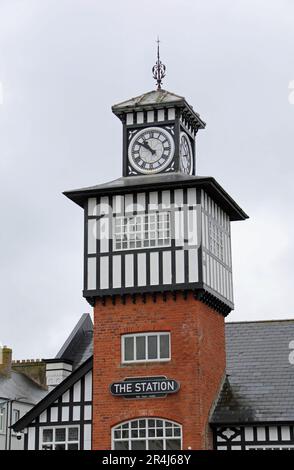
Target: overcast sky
pixel 63 63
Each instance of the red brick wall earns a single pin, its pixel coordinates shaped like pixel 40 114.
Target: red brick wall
pixel 197 362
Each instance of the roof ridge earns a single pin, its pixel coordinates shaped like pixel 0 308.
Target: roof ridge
pixel 259 321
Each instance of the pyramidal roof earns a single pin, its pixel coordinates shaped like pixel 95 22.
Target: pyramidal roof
pixel 154 97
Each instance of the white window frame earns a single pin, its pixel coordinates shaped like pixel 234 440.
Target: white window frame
pixel 158 229
pixel 216 239
pixel 163 438
pixel 15 412
pixel 2 418
pixel 66 442
pixel 146 334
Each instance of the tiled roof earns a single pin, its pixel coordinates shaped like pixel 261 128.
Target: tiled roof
pixel 260 378
pixel 20 387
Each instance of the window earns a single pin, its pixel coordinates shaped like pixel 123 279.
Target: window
pixel 15 417
pixel 147 434
pixel 216 240
pixel 146 347
pixel 2 419
pixel 142 231
pixel 60 438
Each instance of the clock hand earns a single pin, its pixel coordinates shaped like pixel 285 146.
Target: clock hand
pixel 147 146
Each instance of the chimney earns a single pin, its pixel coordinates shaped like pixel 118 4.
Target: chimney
pixel 56 371
pixel 5 361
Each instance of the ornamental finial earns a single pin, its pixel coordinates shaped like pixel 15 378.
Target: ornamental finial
pixel 159 69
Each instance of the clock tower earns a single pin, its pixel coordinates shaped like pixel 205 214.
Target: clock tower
pixel 158 272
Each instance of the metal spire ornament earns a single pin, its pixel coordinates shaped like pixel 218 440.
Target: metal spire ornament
pixel 159 69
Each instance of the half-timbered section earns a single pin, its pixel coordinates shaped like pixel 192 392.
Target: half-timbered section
pixel 63 419
pixel 159 240
pixel 257 437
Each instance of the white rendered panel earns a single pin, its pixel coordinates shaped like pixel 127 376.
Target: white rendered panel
pixel 104 272
pixel 87 437
pixel 104 234
pixel 285 432
pixel 118 205
pixel 141 202
pixel 153 200
pixel 273 433
pixel 92 206
pixel 192 227
pixel 88 386
pixel 178 197
pixel 180 266
pixel 160 115
pixel 129 203
pixel 261 433
pixel 116 271
pixel 154 269
pixel 179 228
pixel 31 438
pixel 150 116
pixel 142 269
pixel 191 196
pixel 88 412
pixel 77 391
pixel 140 117
pixel 104 205
pixel 91 273
pixel 249 433
pixel 43 417
pixel 193 265
pixel 92 236
pixel 129 270
pixel 130 118
pixel 65 397
pixel 76 414
pixel 165 199
pixel 166 267
pixel 171 113
pixel 54 414
pixel 65 413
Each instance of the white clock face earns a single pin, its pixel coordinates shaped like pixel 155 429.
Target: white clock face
pixel 186 156
pixel 151 150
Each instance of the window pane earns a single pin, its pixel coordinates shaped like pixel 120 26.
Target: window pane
pixel 47 447
pixel 73 447
pixel 47 435
pixel 140 347
pixel 173 444
pixel 152 347
pixel 138 445
pixel 164 346
pixel 121 445
pixel 73 434
pixel 60 447
pixel 60 434
pixel 129 349
pixel 155 444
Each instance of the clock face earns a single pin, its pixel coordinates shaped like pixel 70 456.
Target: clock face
pixel 186 156
pixel 151 150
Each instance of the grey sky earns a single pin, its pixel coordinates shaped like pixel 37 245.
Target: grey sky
pixel 63 63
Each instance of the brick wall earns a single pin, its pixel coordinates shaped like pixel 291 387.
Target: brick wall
pixel 197 362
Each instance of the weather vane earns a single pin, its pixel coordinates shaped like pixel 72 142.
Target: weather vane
pixel 159 69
